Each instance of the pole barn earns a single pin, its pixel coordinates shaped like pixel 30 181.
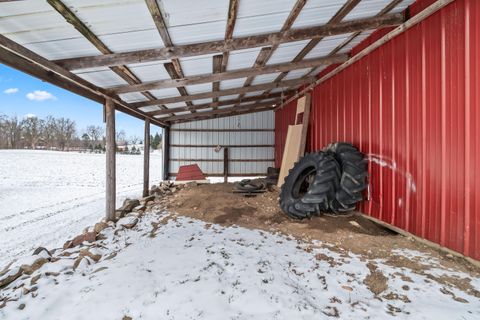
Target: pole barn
pixel 397 79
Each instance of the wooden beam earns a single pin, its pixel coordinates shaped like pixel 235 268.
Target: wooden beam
pixel 231 110
pixel 123 71
pixel 174 68
pixel 263 57
pixel 237 113
pixel 216 68
pixel 234 74
pixel 231 20
pixel 342 45
pixel 173 71
pixel 225 164
pixel 166 153
pixel 227 92
pixel 337 18
pixel 275 96
pixel 146 159
pixel 427 12
pixel 110 157
pixel 23 59
pixel 234 44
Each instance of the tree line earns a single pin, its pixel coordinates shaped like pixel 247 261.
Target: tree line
pixel 61 133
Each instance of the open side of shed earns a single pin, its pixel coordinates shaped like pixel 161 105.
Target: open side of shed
pixel 397 78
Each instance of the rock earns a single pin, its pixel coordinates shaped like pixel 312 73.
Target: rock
pixel 21 306
pixel 127 207
pixel 34 279
pixel 154 190
pixel 139 208
pixel 99 227
pixel 128 222
pixel 42 251
pixel 81 263
pixel 148 199
pixel 10 276
pixel 37 264
pixel 68 245
pixel 87 253
pixel 88 237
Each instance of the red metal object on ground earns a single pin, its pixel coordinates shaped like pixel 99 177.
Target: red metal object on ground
pixel 413 106
pixel 190 172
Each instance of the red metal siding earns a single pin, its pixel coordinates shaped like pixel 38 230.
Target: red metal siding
pixel 413 107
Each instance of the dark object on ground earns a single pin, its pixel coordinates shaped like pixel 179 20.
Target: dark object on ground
pixel 310 185
pixel 272 176
pixel 249 187
pixel 354 176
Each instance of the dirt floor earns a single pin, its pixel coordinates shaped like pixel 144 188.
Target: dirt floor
pixel 216 203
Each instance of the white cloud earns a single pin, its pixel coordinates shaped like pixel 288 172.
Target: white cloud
pixel 11 91
pixel 40 95
pixel 29 115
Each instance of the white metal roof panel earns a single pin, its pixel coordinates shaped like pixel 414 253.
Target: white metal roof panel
pixel 265 78
pixel 317 13
pixel 256 17
pixel 326 46
pixel 241 59
pixel 287 51
pixel 233 83
pixel 106 78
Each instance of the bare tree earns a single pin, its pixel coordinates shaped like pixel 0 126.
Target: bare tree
pixel 32 127
pixel 49 131
pixel 64 132
pixel 135 140
pixel 95 133
pixel 11 132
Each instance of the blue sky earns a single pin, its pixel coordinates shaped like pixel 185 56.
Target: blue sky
pixel 21 94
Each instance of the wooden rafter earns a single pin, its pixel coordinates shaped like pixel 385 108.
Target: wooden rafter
pixel 231 110
pixel 216 68
pixel 337 18
pixel 23 59
pixel 258 98
pixel 123 71
pixel 174 68
pixel 342 45
pixel 234 44
pixel 231 20
pixel 233 113
pixel 227 92
pixel 427 12
pixel 234 74
pixel 267 52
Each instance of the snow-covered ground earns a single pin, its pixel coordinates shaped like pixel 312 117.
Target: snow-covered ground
pixel 173 267
pixel 47 197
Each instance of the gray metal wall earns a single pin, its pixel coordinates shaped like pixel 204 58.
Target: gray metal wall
pixel 249 138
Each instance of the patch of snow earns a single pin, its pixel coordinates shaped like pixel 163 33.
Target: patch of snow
pixel 47 197
pixel 191 270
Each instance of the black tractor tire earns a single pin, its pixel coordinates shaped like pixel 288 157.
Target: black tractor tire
pixel 353 179
pixel 310 185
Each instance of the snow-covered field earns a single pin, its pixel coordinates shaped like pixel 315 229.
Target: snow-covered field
pixel 173 267
pixel 47 197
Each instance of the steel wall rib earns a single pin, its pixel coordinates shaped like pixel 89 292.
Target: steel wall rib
pixel 413 107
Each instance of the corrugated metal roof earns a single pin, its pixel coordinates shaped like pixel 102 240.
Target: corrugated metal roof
pixel 127 25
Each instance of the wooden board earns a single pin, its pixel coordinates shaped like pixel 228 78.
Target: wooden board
pixel 305 105
pixel 291 153
pixel 296 138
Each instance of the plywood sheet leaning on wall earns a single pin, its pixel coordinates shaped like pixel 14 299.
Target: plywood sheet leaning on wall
pixel 292 151
pixel 296 138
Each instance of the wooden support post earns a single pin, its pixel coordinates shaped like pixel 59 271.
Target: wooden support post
pixel 225 164
pixel 110 155
pixel 166 153
pixel 146 159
